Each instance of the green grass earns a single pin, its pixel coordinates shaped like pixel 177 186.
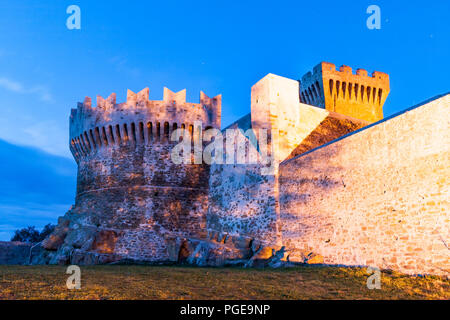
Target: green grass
pixel 150 282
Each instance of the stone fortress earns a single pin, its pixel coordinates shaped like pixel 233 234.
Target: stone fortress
pixel 346 187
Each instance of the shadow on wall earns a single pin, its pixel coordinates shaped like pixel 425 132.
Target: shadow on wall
pixel 302 189
pixel 242 202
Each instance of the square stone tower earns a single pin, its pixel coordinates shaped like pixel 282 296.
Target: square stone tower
pixel 356 95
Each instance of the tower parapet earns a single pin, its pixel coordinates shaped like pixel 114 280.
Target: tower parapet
pixel 138 120
pixel 356 95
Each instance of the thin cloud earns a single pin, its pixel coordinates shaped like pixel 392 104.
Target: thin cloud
pixel 121 65
pixel 49 136
pixel 11 85
pixel 41 91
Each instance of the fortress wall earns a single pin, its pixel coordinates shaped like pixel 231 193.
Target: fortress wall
pixel 378 197
pixel 242 201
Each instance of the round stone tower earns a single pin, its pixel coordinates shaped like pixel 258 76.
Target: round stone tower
pixel 132 200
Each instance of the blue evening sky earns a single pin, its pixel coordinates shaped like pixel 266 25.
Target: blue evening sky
pixel 215 46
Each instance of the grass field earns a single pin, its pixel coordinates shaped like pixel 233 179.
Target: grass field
pixel 150 282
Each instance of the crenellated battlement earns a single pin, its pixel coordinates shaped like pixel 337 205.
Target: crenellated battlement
pixel 327 67
pixel 141 99
pixel 138 120
pixel 354 94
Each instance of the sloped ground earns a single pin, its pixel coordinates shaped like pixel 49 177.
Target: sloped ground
pixel 150 282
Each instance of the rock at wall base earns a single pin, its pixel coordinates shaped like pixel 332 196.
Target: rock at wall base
pixel 57 237
pixel 314 259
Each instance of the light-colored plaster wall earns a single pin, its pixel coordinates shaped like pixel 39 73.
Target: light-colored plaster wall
pixel 276 107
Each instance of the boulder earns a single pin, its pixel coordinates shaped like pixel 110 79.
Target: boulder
pixel 83 258
pixel 276 260
pixel 80 237
pixel 57 237
pixel 313 258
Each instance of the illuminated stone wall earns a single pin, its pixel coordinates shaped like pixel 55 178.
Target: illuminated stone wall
pixel 377 197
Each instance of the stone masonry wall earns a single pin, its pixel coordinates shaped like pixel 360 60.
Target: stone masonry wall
pixel 242 201
pixel 377 197
pixel 144 197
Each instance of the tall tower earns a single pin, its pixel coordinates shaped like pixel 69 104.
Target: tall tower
pixel 131 196
pixel 356 95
